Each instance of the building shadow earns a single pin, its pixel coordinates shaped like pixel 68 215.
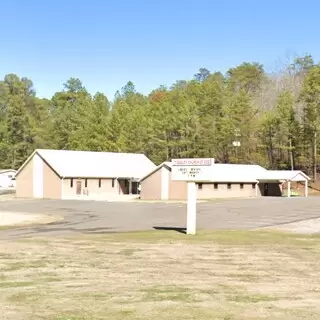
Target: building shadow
pixel 177 229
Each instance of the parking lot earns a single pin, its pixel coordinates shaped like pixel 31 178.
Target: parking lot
pixel 100 217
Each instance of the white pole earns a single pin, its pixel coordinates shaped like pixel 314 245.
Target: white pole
pixel 306 188
pixel 192 208
pixel 289 189
pixel 62 187
pixel 130 186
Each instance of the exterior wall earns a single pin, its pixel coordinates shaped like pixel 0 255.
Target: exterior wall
pixel 164 183
pixel 6 179
pixel 51 183
pixel 209 192
pixel 151 187
pixel 24 181
pixel 94 191
pixel 177 189
pixel 38 167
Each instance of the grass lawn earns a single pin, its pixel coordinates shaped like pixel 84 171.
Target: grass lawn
pixel 162 275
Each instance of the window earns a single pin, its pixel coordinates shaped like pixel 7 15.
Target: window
pixel 229 185
pixel 253 186
pixel 200 186
pixel 241 185
pixel 215 186
pixel 112 183
pixel 71 183
pixel 99 183
pixel 86 183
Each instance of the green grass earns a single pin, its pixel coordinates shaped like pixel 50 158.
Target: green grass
pixel 220 275
pixel 14 266
pixel 24 298
pixel 254 298
pixel 167 293
pixel 220 237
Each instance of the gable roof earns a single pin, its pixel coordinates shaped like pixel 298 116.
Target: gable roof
pixel 91 164
pixel 165 164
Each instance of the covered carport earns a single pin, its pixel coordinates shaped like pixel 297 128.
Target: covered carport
pixel 276 178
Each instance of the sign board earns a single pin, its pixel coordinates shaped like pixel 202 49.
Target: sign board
pixel 198 169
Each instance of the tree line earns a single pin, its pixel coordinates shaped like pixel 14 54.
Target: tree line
pixel 243 116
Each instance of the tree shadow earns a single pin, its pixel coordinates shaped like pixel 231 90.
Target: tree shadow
pixel 177 229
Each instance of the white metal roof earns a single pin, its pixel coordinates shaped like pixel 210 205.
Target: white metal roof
pixel 249 173
pixel 90 164
pixel 7 170
pixel 283 175
pixel 236 172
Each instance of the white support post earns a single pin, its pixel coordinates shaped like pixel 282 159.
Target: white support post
pixel 289 189
pixel 62 187
pixel 130 186
pixel 192 208
pixel 306 188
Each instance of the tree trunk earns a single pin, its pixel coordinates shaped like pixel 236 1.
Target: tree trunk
pixel 291 153
pixel 315 156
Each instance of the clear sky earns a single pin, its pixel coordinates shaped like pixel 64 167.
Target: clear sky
pixel 150 42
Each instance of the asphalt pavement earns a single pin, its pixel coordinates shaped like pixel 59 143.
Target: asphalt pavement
pixel 90 217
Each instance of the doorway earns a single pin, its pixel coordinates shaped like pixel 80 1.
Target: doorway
pixel 78 188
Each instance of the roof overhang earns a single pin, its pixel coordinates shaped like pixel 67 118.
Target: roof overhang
pixel 279 176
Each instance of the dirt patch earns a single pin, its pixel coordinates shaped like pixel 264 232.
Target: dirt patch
pixel 9 219
pixel 309 226
pixel 161 275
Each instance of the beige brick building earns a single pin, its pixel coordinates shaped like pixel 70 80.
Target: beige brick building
pixel 65 174
pixel 226 181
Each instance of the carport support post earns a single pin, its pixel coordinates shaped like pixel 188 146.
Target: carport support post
pixel 289 189
pixel 192 208
pixel 306 188
pixel 130 186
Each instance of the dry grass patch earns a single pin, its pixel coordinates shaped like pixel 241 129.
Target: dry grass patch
pixel 162 275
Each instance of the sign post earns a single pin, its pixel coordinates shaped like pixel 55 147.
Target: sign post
pixel 192 208
pixel 192 171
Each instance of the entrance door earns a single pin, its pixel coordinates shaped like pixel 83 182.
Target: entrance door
pixel 78 188
pixel 266 189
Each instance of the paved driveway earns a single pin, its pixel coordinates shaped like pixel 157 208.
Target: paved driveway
pixel 100 217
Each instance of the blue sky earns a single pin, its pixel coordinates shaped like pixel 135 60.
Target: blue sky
pixel 150 42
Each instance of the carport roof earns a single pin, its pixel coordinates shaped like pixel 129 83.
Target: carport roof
pixel 283 175
pixel 89 164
